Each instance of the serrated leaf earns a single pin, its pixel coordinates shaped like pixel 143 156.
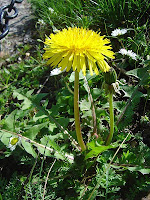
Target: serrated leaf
pixel 26 102
pixel 34 130
pixel 96 149
pixel 87 114
pixel 52 126
pixel 96 92
pixel 46 112
pixel 101 112
pixel 39 115
pixel 53 144
pixel 59 156
pixel 141 73
pixel 29 93
pixel 48 141
pixel 63 121
pixel 10 121
pixel 119 105
pixel 5 137
pixel 28 148
pixel 140 169
pixel 39 97
pixel 133 72
pixel 128 91
pixel 45 151
pixel 144 171
pixel 85 105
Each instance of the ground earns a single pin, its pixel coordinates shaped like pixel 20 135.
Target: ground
pixel 21 28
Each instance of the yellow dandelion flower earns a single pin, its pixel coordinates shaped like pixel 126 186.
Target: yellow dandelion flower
pixel 78 48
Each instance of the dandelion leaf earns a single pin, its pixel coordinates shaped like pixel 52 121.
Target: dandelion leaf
pixel 28 148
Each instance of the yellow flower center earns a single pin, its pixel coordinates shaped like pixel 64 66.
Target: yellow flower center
pixel 14 141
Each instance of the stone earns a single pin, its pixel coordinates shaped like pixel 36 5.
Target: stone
pixel 20 28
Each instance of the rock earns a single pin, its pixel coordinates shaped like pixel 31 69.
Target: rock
pixel 146 198
pixel 20 28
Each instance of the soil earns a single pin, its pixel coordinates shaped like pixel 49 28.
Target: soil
pixel 20 28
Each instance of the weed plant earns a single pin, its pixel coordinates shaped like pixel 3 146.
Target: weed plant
pixel 38 108
pixel 93 14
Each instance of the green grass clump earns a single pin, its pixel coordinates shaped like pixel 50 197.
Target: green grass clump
pixel 93 14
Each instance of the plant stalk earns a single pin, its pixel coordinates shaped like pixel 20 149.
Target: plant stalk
pixel 76 112
pixel 93 111
pixel 111 112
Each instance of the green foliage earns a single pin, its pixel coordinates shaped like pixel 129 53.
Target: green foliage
pixel 133 94
pixel 140 187
pixel 82 13
pixel 12 189
pixel 96 149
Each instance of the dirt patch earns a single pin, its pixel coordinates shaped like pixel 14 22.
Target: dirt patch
pixel 20 28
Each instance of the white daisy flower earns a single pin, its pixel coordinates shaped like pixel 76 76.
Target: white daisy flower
pixel 55 72
pixel 51 10
pixel 129 53
pixel 41 22
pixel 13 142
pixel 123 51
pixel 118 32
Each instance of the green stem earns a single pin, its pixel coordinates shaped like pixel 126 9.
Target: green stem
pixel 76 112
pixel 111 111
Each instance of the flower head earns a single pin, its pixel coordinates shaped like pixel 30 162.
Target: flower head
pixel 55 72
pixel 129 53
pixel 123 51
pixel 78 48
pixel 41 22
pixel 51 10
pixel 117 32
pixel 132 55
pixel 13 142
